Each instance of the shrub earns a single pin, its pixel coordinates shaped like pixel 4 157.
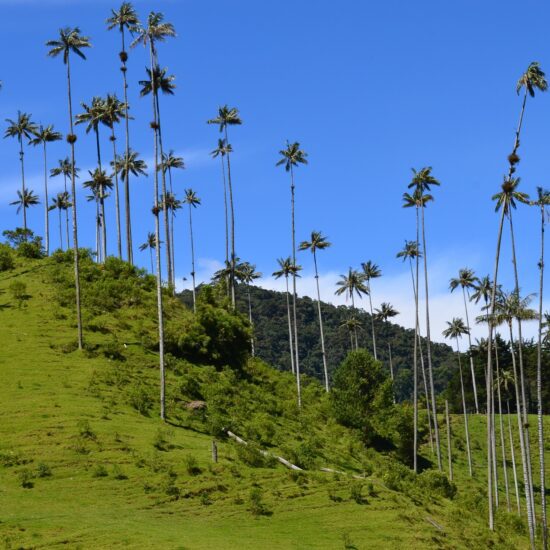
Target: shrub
pixel 437 483
pixel 25 478
pixel 118 473
pixel 139 397
pixel 100 471
pixel 356 492
pixel 6 257
pixel 205 499
pixel 191 465
pixel 43 470
pixel 18 290
pixel 256 504
pixel 162 439
pixel 250 454
pixel 85 430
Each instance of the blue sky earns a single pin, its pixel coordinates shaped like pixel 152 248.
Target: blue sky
pixel 369 89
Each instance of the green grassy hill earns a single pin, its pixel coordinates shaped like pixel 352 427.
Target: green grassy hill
pixel 85 462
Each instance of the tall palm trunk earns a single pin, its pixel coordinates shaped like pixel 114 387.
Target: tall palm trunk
pixel 415 359
pixel 151 258
pixel 60 230
pixel 372 323
pixel 296 354
pixel 101 198
pixel 428 347
pixel 449 449
pixel 157 247
pixel 129 249
pixel 522 442
pixel 117 198
pixel 290 344
pixel 46 201
pixel 232 212
pixel 325 369
pixel 464 410
pixel 426 392
pixel 75 226
pixel 474 385
pixel 172 219
pixel 524 404
pixel 391 374
pixel 513 455
pixel 22 161
pixel 354 326
pixel 252 349
pixel 66 212
pixel 226 214
pixel 192 258
pixel 540 424
pixel 501 426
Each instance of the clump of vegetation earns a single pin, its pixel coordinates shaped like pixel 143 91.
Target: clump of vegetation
pixel 18 291
pixel 100 471
pixel 438 483
pixel 25 242
pixel 191 465
pixel 26 477
pixel 43 470
pixel 356 492
pixel 162 440
pixel 118 473
pixel 85 430
pixel 256 505
pixel 6 258
pixel 139 397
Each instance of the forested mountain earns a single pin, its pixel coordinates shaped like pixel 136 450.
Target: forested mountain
pixel 271 338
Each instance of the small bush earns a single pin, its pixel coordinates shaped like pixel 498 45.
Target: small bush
pixel 100 471
pixel 85 430
pixel 25 478
pixel 356 492
pixel 191 465
pixel 6 258
pixel 140 398
pixel 11 458
pixel 162 439
pixel 18 291
pixel 332 495
pixel 205 499
pixel 43 470
pixel 118 473
pixel 250 454
pixel 438 483
pixel 256 505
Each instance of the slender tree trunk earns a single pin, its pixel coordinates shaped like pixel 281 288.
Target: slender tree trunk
pixel 60 230
pixel 253 351
pixel 428 348
pixel 192 260
pixel 129 249
pixel 325 369
pixel 151 258
pixel 494 447
pixel 501 426
pixel 226 214
pixel 101 199
pixel 426 392
pixel 75 225
pixel 449 450
pixel 474 385
pixel 525 406
pixel 97 232
pixel 66 211
pixel 540 424
pixel 233 256
pixel 23 189
pixel 354 326
pixel 297 358
pixel 464 410
pixel 415 371
pixel 46 201
pixel 157 246
pixel 372 324
pixel 117 198
pixel 391 374
pixel 513 455
pixel 291 345
pixel 172 219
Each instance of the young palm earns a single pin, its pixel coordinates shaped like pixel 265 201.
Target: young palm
pixel 43 136
pixel 114 110
pixel 92 116
pixel 71 41
pixel 221 150
pixel 61 202
pixel 353 325
pixel 229 116
pixel 133 163
pixel 386 312
pixel 247 274
pixel 22 127
pixel 25 200
pixel 318 242
pixel 543 200
pixel 292 157
pixel 351 284
pixel 286 270
pixel 371 271
pixel 157 81
pixel 193 201
pixel 150 244
pixel 456 329
pixel 64 168
pixel 467 280
pixel 125 19
pixel 154 31
pixel 421 183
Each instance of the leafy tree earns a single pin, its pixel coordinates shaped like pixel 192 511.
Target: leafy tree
pixel 351 284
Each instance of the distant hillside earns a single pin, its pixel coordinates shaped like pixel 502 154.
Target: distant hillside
pixel 271 331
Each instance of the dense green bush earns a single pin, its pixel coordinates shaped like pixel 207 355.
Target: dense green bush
pixel 6 257
pixel 437 483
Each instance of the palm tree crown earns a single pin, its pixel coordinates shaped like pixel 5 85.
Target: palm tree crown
pixel 21 128
pixel 455 328
pixel 227 116
pixel 316 242
pixel 293 156
pixel 466 279
pixel 509 195
pixel 352 283
pixel 410 251
pixel 385 312
pixel 533 78
pixel 70 40
pixel 125 18
pixel 423 179
pixel 25 199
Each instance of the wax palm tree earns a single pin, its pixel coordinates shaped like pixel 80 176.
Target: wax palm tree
pixel 98 184
pixel 113 111
pixel 352 284
pixel 61 202
pixel 22 127
pixel 292 157
pixel 467 280
pixel 384 313
pixel 318 242
pixel 352 324
pixel 133 163
pixel 456 329
pixel 221 150
pixel 154 31
pixel 421 182
pixel 229 116
pixel 193 201
pixel 543 200
pixel 71 41
pixel 172 204
pixel 412 252
pixel 288 269
pixel 371 271
pixel 247 274
pixel 43 136
pixel 125 19
pixel 159 80
pixel 150 244
pixel 92 116
pixel 25 200
pixel 64 168
pixel 169 162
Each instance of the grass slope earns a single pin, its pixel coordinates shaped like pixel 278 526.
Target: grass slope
pixel 80 467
